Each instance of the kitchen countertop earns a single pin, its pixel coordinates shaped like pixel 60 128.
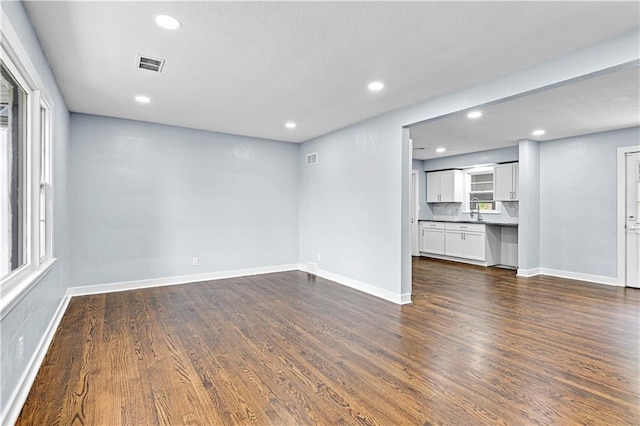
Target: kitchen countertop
pixel 481 222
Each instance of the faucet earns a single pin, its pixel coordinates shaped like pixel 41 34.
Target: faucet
pixel 477 201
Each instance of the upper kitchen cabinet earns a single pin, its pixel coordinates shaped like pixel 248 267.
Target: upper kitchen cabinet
pixel 444 187
pixel 506 182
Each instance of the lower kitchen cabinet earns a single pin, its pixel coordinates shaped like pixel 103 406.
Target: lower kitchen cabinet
pixel 432 237
pixel 474 246
pixel 470 245
pixel 466 242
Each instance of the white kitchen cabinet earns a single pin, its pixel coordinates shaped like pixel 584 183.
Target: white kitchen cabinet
pixel 507 182
pixel 474 246
pixel 465 240
pixel 444 187
pixel 432 237
pixel 453 243
pixel 474 243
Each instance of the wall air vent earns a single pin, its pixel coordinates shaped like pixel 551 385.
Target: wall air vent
pixel 151 64
pixel 312 158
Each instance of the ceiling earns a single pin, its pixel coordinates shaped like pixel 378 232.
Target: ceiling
pixel 248 67
pixel 600 103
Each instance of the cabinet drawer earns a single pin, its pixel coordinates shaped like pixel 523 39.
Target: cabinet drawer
pixel 472 227
pixel 432 225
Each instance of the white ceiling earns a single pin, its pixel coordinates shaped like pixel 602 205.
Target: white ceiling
pixel 604 102
pixel 248 67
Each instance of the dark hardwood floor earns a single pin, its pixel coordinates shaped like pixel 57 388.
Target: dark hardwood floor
pixel 477 346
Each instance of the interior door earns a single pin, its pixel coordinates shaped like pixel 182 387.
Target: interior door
pixel 633 220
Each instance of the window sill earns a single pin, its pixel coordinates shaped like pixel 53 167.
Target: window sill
pixel 13 296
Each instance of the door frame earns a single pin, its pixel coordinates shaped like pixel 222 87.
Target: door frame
pixel 415 211
pixel 622 247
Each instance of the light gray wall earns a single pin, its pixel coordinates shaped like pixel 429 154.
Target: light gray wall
pixel 352 204
pixel 529 200
pixel 147 198
pixel 31 317
pixel 578 205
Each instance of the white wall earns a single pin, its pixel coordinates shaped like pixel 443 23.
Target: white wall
pixel 32 316
pixel 578 204
pixel 147 198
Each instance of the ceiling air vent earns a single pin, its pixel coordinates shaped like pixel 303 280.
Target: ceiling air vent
pixel 312 158
pixel 151 64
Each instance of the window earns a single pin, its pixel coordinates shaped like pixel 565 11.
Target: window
pixel 479 190
pixel 13 167
pixel 26 194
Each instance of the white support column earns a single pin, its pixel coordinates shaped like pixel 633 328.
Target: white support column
pixel 529 205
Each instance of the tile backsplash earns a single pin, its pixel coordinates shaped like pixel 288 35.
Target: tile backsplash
pixel 453 211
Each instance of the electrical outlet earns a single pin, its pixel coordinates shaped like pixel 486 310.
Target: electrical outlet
pixel 194 261
pixel 20 347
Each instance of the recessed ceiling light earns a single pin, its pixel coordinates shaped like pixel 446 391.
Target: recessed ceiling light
pixel 290 125
pixel 440 150
pixel 143 99
pixel 375 86
pixel 168 22
pixel 538 132
pixel 475 114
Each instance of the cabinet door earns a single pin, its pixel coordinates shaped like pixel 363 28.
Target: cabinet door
pixel 432 241
pixel 503 182
pixel 473 245
pixel 453 243
pixel 451 186
pixel 516 181
pixel 433 187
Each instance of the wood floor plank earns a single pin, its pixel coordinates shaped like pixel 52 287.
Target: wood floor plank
pixel 476 346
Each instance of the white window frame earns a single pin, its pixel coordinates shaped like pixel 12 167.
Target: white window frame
pixel 45 248
pixel 15 58
pixel 467 188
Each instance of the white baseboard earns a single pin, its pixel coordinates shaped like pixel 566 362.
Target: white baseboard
pixel 16 401
pixel 598 279
pixel 181 279
pixel 456 259
pixel 405 298
pixel 528 272
pixel 397 298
